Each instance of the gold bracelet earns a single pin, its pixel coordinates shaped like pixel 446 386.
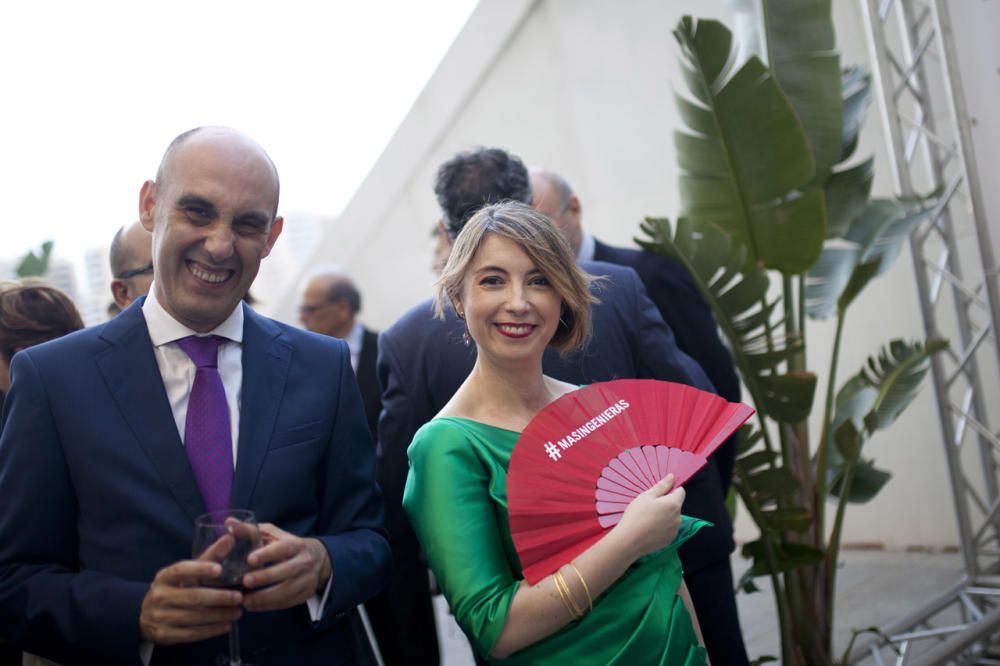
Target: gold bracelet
pixel 567 597
pixel 590 599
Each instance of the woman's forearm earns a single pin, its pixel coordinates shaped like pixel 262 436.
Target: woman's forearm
pixel 538 611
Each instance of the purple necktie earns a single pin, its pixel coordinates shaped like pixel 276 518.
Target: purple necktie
pixel 208 440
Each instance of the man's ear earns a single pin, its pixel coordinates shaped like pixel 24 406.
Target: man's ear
pixel 147 202
pixel 272 235
pixel 574 207
pixel 119 291
pixel 444 232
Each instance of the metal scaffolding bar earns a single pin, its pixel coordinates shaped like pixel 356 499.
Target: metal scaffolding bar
pixel 926 125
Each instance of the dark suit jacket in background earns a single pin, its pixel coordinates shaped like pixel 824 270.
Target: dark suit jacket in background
pixel 690 318
pixel 371 392
pixel 97 495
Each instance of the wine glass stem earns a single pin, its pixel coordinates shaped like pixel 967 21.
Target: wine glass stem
pixel 234 645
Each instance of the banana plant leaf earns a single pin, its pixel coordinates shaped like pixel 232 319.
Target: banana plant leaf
pixel 745 160
pixel 855 90
pixel 790 556
pixel 796 39
pixel 735 290
pixel 867 481
pixel 847 194
pixel 788 398
pixel 871 244
pixel 870 401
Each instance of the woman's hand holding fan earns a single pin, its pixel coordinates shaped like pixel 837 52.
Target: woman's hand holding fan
pixel 652 519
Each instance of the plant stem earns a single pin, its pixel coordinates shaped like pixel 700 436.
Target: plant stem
pixel 834 549
pixel 824 434
pixel 784 618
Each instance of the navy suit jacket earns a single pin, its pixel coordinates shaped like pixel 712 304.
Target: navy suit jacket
pixel 97 495
pixel 423 361
pixel 690 318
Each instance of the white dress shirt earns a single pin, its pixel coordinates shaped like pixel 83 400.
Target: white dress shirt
pixel 354 340
pixel 178 371
pixel 587 248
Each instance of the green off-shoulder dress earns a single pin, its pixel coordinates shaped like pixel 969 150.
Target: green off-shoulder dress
pixel 456 498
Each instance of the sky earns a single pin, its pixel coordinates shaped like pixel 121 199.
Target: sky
pixel 92 93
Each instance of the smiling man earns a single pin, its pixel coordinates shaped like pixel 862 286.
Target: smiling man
pixel 117 438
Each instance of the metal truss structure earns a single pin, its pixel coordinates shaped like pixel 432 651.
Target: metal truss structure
pixel 927 126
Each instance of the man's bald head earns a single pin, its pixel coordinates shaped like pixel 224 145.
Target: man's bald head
pixel 236 139
pixel 553 196
pixel 330 303
pixel 131 259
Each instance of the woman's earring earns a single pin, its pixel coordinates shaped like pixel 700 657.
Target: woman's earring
pixel 466 338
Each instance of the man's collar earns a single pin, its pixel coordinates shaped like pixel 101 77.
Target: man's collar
pixel 587 248
pixel 355 337
pixel 163 328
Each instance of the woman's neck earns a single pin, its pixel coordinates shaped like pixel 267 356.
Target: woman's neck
pixel 506 395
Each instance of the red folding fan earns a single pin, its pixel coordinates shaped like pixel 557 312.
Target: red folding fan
pixel 584 457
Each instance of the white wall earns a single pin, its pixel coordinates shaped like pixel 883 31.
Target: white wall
pixel 584 87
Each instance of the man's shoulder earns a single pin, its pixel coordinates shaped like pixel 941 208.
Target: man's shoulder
pixel 651 267
pixel 419 323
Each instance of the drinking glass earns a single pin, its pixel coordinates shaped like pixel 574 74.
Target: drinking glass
pixel 241 525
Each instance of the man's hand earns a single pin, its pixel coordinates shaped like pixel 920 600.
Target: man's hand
pixel 291 570
pixel 179 609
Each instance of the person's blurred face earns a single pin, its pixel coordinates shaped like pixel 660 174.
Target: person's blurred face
pixel 564 213
pixel 511 309
pixel 213 220
pixel 138 275
pixel 4 375
pixel 321 315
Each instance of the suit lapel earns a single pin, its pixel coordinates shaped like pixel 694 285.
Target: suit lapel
pixel 129 368
pixel 265 368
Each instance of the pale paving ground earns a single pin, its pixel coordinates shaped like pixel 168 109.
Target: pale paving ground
pixel 874 588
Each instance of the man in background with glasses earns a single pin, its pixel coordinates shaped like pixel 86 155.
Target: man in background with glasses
pixel 131 259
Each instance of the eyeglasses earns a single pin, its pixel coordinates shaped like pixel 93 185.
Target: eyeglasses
pixel 124 275
pixel 313 309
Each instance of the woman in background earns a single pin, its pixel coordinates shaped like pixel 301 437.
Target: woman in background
pixel 31 312
pixel 513 280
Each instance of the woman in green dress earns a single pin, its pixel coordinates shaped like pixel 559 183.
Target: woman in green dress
pixel 514 281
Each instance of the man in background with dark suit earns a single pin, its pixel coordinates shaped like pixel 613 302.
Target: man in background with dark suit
pixel 423 360
pixel 115 438
pixel 330 306
pixel 684 309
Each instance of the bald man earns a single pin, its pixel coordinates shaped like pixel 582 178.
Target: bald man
pixel 117 438
pixel 131 259
pixel 330 306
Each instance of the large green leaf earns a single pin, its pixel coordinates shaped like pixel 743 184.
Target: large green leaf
pixel 872 400
pixel 788 398
pixel 897 372
pixel 847 192
pixel 745 160
pixel 885 225
pixel 827 278
pixel 855 87
pixel 866 482
pixel 872 242
pixel 789 556
pixel 795 38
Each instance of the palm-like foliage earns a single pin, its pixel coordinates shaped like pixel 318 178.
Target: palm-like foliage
pixel 765 191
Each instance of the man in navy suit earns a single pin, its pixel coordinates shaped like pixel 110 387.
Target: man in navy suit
pixel 706 557
pixel 423 360
pixel 98 492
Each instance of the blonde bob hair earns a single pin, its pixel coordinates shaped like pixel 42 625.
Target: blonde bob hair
pixel 548 251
